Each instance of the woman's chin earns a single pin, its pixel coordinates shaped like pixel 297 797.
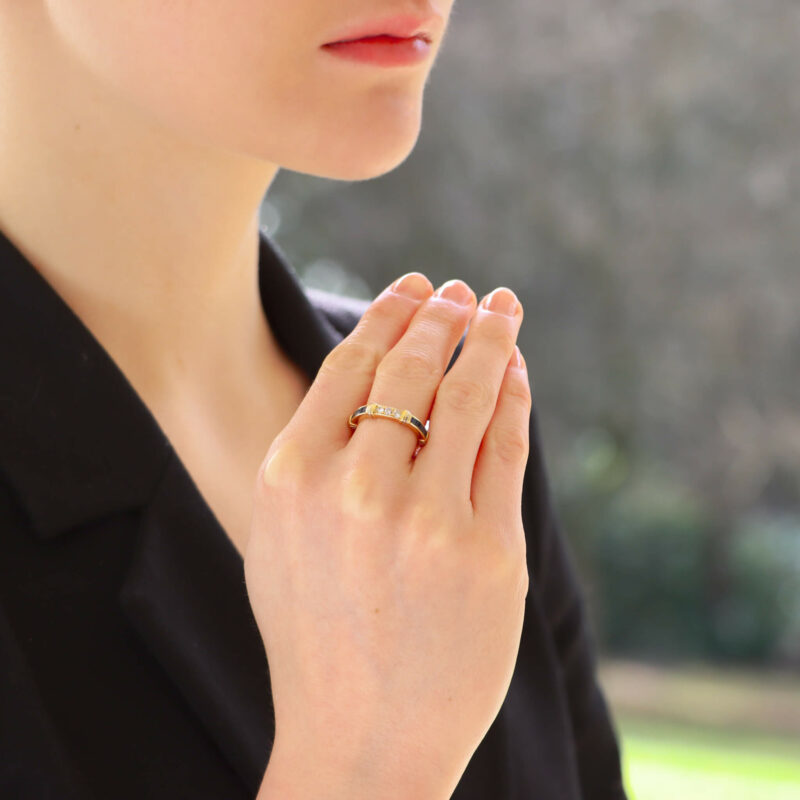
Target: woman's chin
pixel 363 169
pixel 356 159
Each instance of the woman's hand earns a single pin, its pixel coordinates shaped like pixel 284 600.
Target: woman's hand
pixel 389 587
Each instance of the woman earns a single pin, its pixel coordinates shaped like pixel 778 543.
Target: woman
pixel 219 577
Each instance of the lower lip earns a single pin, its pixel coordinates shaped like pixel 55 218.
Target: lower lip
pixel 385 51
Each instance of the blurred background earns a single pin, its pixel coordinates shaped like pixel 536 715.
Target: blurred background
pixel 631 168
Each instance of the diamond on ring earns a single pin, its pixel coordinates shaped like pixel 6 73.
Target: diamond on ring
pixel 405 416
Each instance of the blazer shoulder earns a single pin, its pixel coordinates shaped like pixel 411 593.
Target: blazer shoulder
pixel 342 311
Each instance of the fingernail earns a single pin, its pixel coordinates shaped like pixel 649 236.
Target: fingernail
pixel 455 290
pixel 518 361
pixel 412 284
pixel 501 301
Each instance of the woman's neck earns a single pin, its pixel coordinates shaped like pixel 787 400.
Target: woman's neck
pixel 150 237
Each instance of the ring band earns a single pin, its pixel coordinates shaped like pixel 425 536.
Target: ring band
pixel 404 416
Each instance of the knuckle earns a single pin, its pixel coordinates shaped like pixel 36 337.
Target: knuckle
pixel 498 332
pixel 389 309
pixel 523 579
pixel 440 315
pixel 284 467
pixel 526 577
pixel 425 516
pixel 518 389
pixel 512 569
pixel 497 562
pixel 467 395
pixel 410 363
pixel 361 497
pixel 353 355
pixel 510 444
pixel 426 521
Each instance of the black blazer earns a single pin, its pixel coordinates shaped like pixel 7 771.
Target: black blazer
pixel 132 666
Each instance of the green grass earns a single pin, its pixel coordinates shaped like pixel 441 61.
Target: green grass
pixel 665 761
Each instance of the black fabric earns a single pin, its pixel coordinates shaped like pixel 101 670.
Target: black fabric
pixel 131 663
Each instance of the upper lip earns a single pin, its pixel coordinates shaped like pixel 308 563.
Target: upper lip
pixel 404 26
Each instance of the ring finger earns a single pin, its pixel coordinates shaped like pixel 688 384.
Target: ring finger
pixel 409 374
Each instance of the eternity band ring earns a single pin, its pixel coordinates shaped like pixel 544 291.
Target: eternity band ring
pixel 389 412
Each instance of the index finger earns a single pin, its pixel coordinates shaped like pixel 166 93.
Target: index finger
pixel 346 375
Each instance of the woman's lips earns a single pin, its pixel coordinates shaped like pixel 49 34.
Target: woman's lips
pixel 383 50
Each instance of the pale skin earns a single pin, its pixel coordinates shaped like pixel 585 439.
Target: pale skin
pixel 152 130
pixel 137 141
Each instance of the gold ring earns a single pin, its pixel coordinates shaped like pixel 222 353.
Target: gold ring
pixel 389 412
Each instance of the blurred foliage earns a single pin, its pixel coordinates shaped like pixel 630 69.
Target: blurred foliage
pixel 657 585
pixel 759 615
pixel 632 170
pixel 643 548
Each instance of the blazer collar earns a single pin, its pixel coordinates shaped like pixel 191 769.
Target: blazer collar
pixel 76 440
pixel 78 443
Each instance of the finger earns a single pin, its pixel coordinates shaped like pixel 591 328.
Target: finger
pixel 345 376
pixel 466 398
pixel 410 373
pixel 497 479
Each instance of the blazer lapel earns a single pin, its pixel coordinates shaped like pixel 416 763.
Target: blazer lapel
pixel 77 444
pixel 185 593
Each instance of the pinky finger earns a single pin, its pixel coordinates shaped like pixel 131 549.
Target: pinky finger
pixel 503 455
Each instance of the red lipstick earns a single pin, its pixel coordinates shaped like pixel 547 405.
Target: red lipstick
pixel 390 42
pixel 385 51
